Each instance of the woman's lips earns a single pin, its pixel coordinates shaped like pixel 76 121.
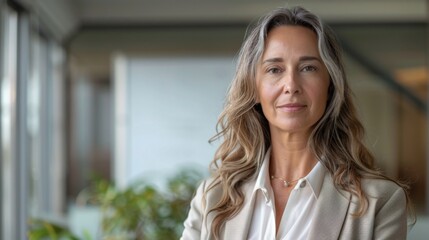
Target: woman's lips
pixel 291 107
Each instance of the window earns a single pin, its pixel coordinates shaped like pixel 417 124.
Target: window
pixel 31 171
pixel 9 168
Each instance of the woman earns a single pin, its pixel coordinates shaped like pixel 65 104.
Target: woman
pixel 292 164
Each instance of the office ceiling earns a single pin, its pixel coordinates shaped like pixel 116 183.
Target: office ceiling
pixel 64 17
pixel 69 18
pixel 173 11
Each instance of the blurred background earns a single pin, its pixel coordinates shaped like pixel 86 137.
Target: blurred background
pixel 99 95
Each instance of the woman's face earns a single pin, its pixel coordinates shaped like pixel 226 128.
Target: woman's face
pixel 292 80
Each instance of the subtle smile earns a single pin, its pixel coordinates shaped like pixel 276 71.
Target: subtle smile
pixel 291 107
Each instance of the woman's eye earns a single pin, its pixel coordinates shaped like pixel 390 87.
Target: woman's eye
pixel 274 70
pixel 309 69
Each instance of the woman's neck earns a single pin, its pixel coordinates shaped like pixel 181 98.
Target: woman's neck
pixel 291 157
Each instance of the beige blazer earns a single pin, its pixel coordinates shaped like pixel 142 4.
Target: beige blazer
pixel 385 218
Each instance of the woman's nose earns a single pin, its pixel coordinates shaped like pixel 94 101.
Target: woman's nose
pixel 291 84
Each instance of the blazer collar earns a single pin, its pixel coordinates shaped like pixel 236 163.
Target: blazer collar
pixel 331 210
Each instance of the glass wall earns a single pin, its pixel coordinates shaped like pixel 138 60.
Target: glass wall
pixel 32 130
pixel 8 120
pixel 45 126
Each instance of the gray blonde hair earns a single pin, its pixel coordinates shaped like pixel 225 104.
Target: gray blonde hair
pixel 336 139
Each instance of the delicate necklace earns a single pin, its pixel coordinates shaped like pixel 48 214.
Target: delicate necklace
pixel 285 182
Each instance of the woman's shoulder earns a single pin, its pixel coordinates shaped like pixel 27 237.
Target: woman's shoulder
pixel 209 186
pixel 381 188
pixel 207 183
pixel 207 194
pixel 211 189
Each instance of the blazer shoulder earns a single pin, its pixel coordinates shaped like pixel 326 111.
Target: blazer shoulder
pixel 381 188
pixel 210 192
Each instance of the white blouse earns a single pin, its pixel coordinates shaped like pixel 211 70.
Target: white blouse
pixel 297 216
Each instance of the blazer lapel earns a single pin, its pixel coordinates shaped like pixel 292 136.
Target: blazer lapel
pixel 331 210
pixel 238 226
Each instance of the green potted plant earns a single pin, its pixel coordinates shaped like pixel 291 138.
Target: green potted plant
pixel 139 211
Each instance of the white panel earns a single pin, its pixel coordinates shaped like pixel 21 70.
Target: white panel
pixel 173 106
pixel 120 164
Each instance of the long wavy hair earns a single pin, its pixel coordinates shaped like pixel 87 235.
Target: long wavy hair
pixel 336 139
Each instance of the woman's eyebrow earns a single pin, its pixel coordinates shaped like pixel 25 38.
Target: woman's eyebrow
pixel 273 60
pixel 301 59
pixel 309 58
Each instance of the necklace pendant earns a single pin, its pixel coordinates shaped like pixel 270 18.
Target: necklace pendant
pixel 286 184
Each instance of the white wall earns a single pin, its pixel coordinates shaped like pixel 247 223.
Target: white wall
pixel 172 106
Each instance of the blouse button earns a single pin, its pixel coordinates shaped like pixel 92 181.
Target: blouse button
pixel 303 183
